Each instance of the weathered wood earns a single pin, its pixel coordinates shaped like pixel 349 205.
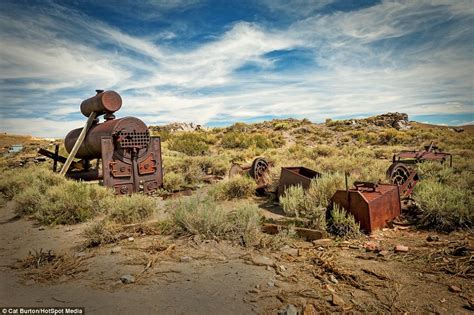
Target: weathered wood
pixel 77 145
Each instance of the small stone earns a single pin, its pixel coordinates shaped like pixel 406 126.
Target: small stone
pixel 290 251
pixel 371 246
pixel 270 268
pixel 432 238
pixel 383 253
pixel 116 250
pixel 321 248
pixel 254 290
pixel 30 282
pixel 282 268
pixel 309 310
pixel 290 309
pixel 329 288
pixel 131 239
pixel 442 300
pixel 336 300
pixel 354 246
pixel 185 259
pixel 333 279
pixel 127 279
pixel 80 254
pixel 262 261
pixel 455 289
pixel 270 284
pixel 401 249
pixel 323 241
pixel 41 228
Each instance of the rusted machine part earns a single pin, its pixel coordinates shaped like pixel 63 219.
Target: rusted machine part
pixel 59 158
pixel 372 205
pixel 404 176
pixel 128 133
pixel 131 159
pixel 258 170
pixel 294 176
pixel 104 102
pixel 430 153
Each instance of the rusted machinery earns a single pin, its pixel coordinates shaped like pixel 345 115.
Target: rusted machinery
pixel 258 170
pixel 402 171
pixel 293 176
pixel 131 158
pixel 372 205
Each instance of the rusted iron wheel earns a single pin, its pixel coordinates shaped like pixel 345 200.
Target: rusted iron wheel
pixel 258 170
pixel 398 173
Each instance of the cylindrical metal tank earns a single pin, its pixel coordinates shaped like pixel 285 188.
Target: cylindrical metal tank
pixel 102 103
pixel 129 132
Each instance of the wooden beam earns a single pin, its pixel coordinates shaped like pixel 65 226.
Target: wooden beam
pixel 78 143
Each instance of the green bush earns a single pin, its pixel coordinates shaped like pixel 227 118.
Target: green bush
pixel 173 181
pixel 445 208
pixel 130 209
pixel 238 140
pixel 190 143
pixel 71 203
pixel 342 224
pixel 293 201
pixel 234 188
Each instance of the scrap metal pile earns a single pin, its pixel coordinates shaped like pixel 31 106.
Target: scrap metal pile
pixel 373 205
pixel 127 158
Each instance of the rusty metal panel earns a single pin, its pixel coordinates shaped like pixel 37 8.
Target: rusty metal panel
pixel 293 176
pixel 373 206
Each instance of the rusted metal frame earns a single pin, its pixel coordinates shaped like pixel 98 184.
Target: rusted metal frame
pixel 77 145
pixel 59 158
pixel 407 187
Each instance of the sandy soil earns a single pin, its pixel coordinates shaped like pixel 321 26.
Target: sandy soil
pixel 195 277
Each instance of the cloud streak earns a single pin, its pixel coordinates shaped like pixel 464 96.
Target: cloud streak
pixel 414 57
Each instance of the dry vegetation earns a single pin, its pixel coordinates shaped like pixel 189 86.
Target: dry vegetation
pixel 226 211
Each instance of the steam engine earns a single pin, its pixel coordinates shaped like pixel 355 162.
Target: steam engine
pixel 131 158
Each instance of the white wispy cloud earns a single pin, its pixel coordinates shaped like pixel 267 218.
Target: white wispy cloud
pixel 363 61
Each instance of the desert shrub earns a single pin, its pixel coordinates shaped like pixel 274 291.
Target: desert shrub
pixel 102 232
pixel 173 181
pixel 209 165
pixel 15 181
pixel 204 217
pixel 234 188
pixel 282 126
pixel 239 127
pixel 29 200
pixel 130 209
pixel 323 188
pixel 324 150
pixel 444 207
pixel 238 140
pixel 193 173
pixel 293 201
pixel 189 143
pixel 70 203
pixel 342 224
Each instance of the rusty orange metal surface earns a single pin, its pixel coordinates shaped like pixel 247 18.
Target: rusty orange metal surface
pixel 372 205
pixel 293 176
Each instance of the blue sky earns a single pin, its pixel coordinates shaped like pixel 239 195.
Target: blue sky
pixel 218 62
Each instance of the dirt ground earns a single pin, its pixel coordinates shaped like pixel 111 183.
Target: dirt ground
pixel 189 276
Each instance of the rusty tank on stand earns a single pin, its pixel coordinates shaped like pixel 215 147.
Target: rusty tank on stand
pixel 131 158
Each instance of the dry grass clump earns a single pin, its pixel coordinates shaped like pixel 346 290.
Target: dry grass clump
pixel 59 201
pixel 205 217
pixel 237 187
pixel 342 224
pixel 239 140
pixel 15 181
pixel 102 232
pixel 49 267
pixel 129 209
pixel 444 207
